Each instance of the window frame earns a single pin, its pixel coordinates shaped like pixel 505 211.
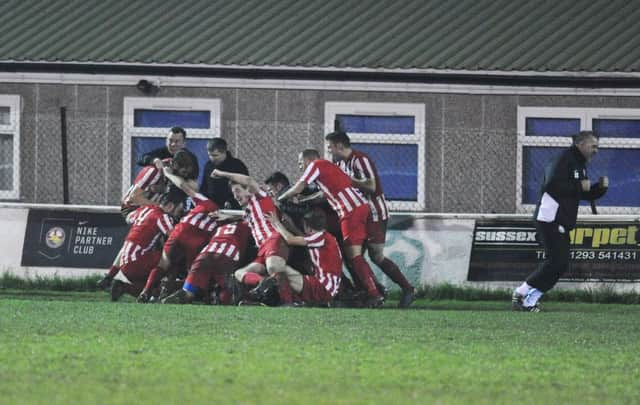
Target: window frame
pixel 417 110
pixel 13 129
pixel 586 117
pixel 131 104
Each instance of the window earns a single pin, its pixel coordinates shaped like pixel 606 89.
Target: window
pixel 9 147
pixel 147 122
pixel 392 135
pixel 544 132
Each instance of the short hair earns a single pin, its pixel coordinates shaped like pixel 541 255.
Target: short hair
pixel 185 160
pixel 583 136
pixel 277 178
pixel 174 195
pixel 217 144
pixel 179 130
pixel 338 137
pixel 315 219
pixel 312 154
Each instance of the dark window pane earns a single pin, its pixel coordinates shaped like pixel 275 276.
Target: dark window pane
pixel 534 160
pixel 622 168
pixel 372 124
pixel 141 145
pixel 6 162
pixel 168 119
pixel 552 126
pixel 619 164
pixel 616 128
pixel 5 116
pixel 397 167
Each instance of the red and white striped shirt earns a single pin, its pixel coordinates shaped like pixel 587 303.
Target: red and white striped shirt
pixel 260 204
pixel 326 259
pixel 149 176
pixel 360 166
pixel 230 240
pixel 148 223
pixel 335 184
pixel 198 216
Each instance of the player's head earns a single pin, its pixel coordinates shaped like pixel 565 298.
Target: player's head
pixel 172 202
pixel 183 165
pixel 314 220
pixel 217 150
pixel 306 157
pixel 338 144
pixel 176 139
pixel 241 193
pixel 277 182
pixel 587 144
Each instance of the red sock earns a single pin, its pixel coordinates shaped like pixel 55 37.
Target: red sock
pixel 225 297
pixel 113 270
pixel 154 277
pixel 362 269
pixel 251 279
pixel 393 272
pixel 284 290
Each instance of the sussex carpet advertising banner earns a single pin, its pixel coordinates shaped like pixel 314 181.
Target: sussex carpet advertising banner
pixel 72 239
pixel 506 250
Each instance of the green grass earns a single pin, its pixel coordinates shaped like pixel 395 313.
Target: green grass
pixel 78 348
pixel 604 293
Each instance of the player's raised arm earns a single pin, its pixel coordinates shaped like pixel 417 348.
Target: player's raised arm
pixel 241 179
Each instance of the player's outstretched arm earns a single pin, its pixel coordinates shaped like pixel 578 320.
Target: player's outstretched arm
pixel 190 187
pixel 242 179
pixel 293 191
pixel 288 237
pixel 311 198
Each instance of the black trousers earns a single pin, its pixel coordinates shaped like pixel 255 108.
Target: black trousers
pixel 556 249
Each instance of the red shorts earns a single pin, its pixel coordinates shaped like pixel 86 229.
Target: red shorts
pixel 354 226
pixel 208 266
pixel 274 246
pixel 313 292
pixel 138 271
pixel 376 231
pixel 185 244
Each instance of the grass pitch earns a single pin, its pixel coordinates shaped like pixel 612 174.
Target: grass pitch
pixel 78 348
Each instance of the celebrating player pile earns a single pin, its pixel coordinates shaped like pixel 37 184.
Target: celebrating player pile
pixel 286 248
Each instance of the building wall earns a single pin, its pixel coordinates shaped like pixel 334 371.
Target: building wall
pixel 470 139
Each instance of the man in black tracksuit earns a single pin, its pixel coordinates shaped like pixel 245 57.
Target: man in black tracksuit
pixel 217 188
pixel 565 184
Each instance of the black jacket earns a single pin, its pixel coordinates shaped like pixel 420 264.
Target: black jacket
pixel 163 153
pixel 218 190
pixel 562 178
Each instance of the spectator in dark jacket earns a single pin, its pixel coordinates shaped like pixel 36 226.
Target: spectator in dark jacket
pixel 176 140
pixel 565 184
pixel 218 189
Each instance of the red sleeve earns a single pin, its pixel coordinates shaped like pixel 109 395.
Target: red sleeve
pixel 148 176
pixel 311 173
pixel 165 224
pixel 202 201
pixel 315 240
